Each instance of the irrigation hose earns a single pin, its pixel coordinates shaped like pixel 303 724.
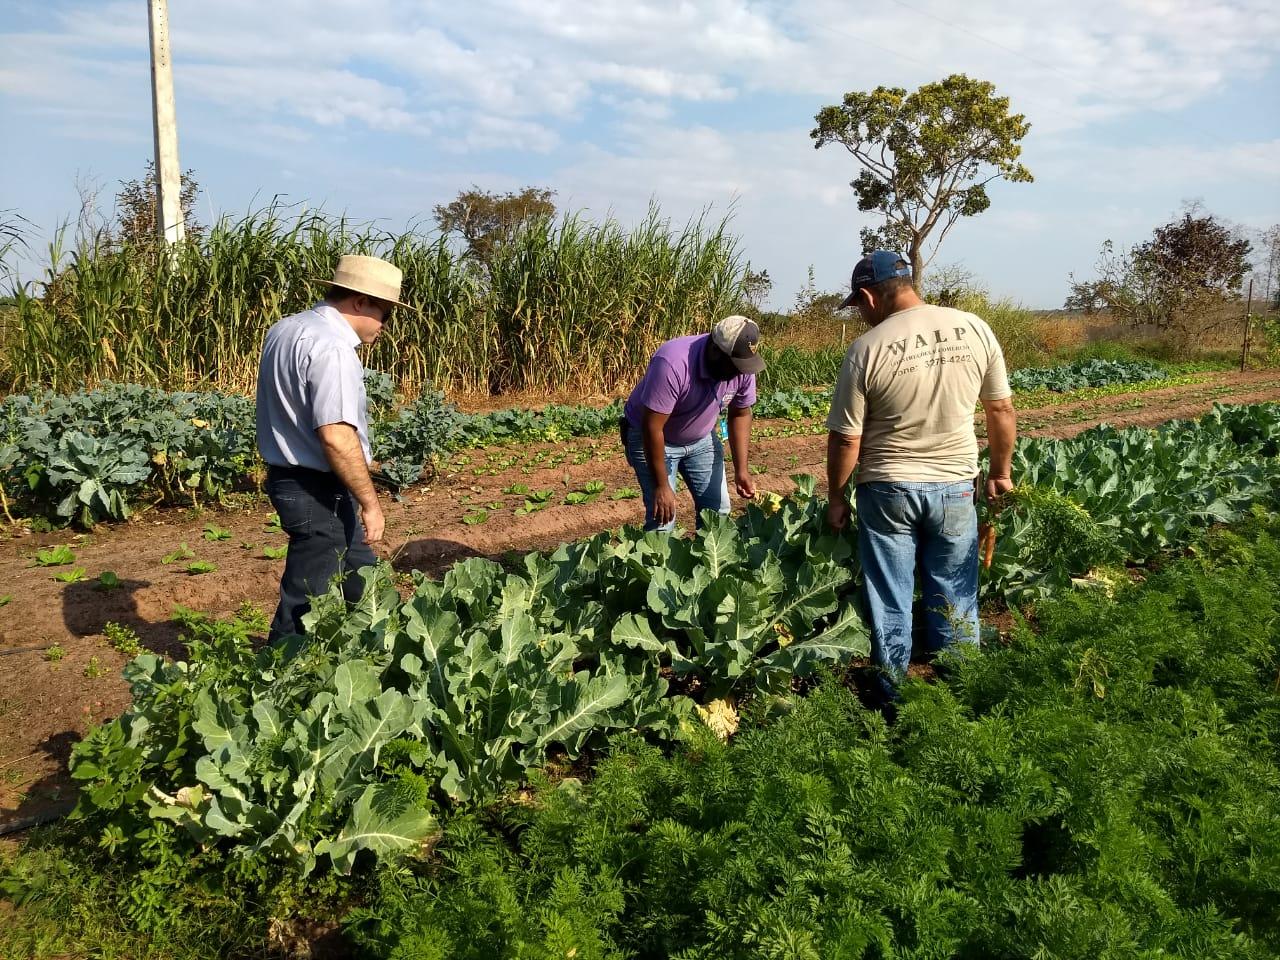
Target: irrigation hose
pixel 36 819
pixel 10 651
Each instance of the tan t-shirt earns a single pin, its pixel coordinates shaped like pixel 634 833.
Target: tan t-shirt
pixel 909 386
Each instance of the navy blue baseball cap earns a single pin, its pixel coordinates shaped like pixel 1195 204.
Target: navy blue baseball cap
pixel 876 268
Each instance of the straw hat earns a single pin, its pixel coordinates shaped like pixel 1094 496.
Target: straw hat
pixel 370 276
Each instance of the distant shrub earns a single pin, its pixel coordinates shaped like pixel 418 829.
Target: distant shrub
pixel 1061 335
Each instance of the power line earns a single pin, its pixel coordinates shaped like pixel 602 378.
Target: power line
pixel 1054 109
pixel 995 43
pixel 879 46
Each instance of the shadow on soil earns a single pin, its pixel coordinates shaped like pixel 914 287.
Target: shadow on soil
pixel 87 609
pixel 50 797
pixel 433 556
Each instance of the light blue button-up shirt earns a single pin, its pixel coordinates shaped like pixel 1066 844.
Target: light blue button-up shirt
pixel 309 376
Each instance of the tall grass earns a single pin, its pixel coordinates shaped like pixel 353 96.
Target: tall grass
pixel 565 304
pixel 1016 327
pixel 790 368
pixel 582 297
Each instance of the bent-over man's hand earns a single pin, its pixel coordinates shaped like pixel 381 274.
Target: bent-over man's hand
pixel 664 504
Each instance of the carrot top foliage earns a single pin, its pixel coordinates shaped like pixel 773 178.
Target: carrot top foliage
pixel 1104 786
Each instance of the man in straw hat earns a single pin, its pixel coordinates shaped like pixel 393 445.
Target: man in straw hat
pixel 669 423
pixel 313 433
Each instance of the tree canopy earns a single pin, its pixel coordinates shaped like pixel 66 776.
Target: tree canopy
pixel 926 157
pixel 485 219
pixel 136 207
pixel 1188 264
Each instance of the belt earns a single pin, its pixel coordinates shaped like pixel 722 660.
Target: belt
pixel 299 473
pixel 320 481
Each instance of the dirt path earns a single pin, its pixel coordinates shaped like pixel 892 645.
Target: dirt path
pixel 58 673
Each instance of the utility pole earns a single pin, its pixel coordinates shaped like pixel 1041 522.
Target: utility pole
pixel 1248 322
pixel 165 120
pixel 1272 239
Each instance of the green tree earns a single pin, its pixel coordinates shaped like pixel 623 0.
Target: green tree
pixel 926 157
pixel 813 306
pixel 485 219
pixel 756 287
pixel 949 284
pixel 136 207
pixel 1189 266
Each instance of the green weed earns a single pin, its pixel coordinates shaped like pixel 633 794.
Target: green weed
pixel 57 556
pixel 176 556
pixel 108 580
pixel 122 639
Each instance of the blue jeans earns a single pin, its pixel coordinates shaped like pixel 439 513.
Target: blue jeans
pixel 701 463
pixel 934 526
pixel 325 537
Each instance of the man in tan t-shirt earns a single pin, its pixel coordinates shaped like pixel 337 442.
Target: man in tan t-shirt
pixel 902 414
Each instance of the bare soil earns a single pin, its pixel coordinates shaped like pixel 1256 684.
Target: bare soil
pixel 59 675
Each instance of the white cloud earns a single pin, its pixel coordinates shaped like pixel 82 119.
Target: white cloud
pixel 328 98
pixel 1157 168
pixel 618 101
pixel 497 133
pixel 544 60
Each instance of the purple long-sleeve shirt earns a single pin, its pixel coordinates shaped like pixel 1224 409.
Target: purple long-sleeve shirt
pixel 677 383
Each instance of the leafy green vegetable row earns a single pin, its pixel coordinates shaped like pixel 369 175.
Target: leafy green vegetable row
pixel 468 682
pixel 88 456
pixel 1111 495
pixel 471 681
pixel 1093 372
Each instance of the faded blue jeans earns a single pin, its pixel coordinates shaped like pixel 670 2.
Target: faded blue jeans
pixel 701 464
pixel 902 526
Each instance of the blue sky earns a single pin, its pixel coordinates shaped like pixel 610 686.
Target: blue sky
pixel 384 108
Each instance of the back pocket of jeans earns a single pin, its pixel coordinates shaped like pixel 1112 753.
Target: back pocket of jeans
pixel 958 516
pixel 881 510
pixel 295 514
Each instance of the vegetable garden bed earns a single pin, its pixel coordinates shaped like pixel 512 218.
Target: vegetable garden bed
pixel 479 675
pixel 93 455
pixel 1103 785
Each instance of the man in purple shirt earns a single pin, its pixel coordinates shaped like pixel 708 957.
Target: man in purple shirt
pixel 671 417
